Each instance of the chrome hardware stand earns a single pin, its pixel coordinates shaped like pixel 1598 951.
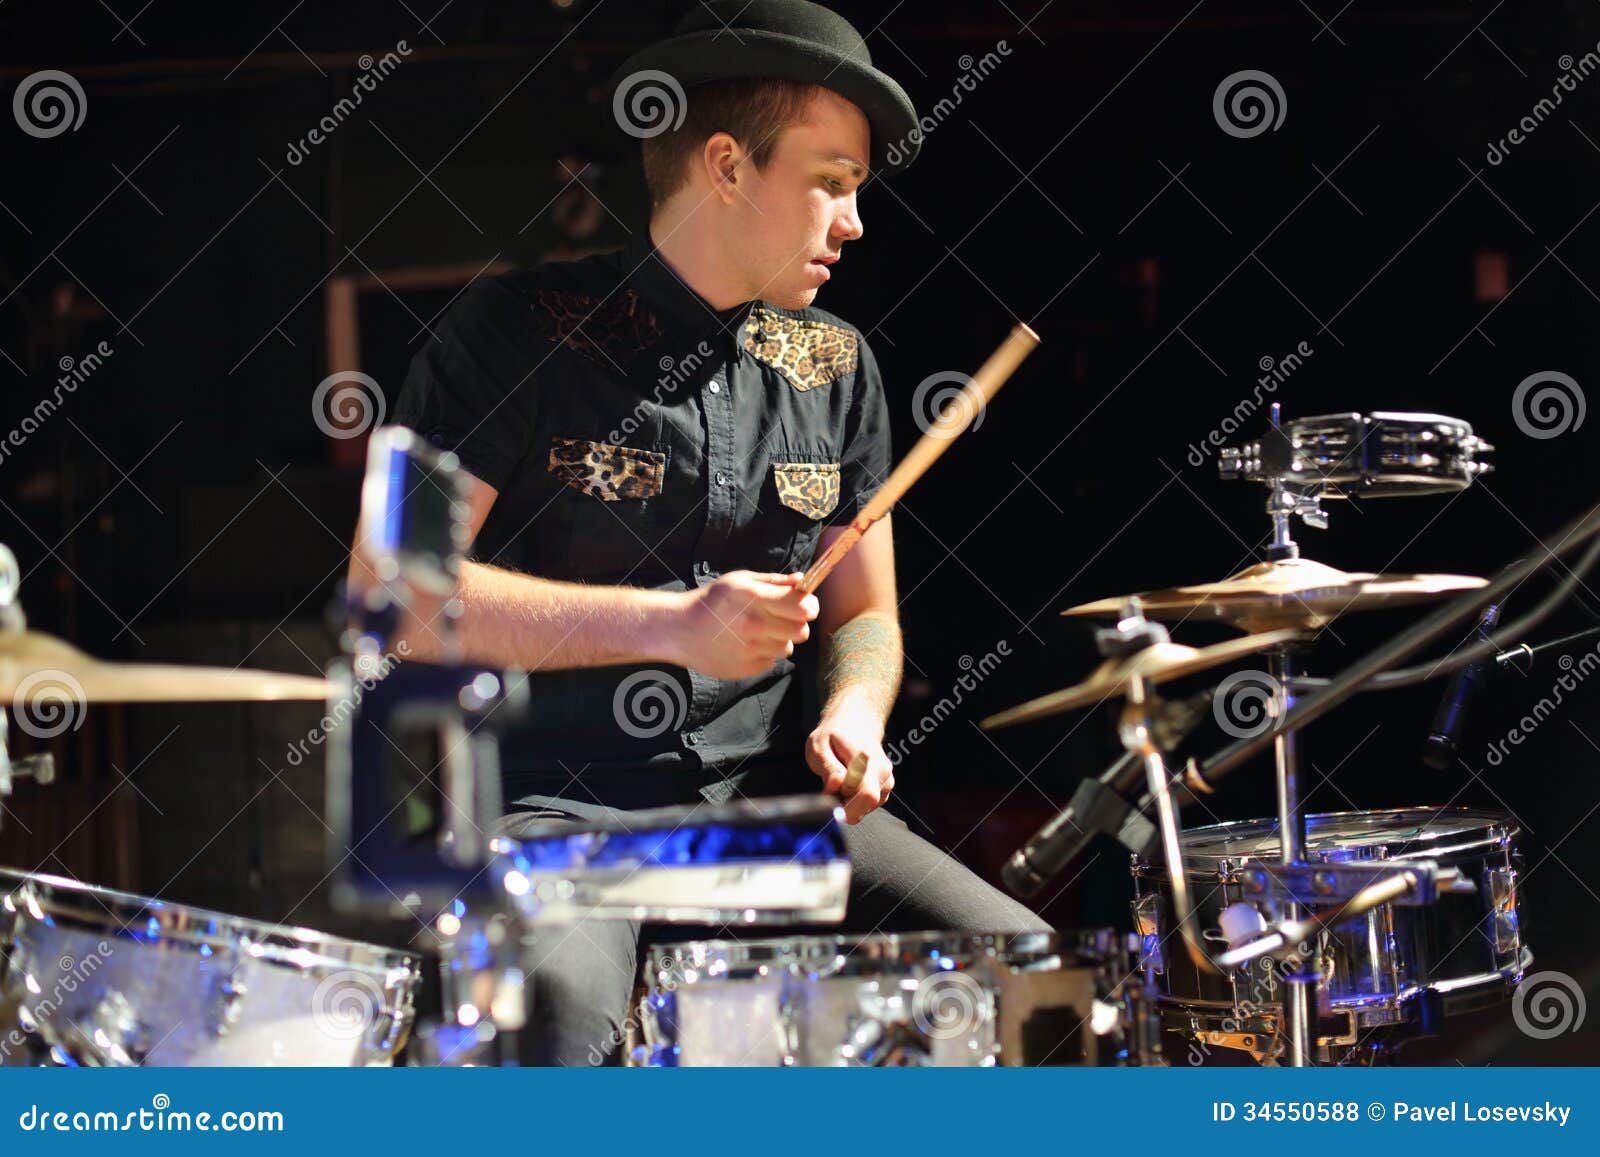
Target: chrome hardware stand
pixel 1137 730
pixel 40 767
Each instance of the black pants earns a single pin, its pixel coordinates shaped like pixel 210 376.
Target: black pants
pixel 582 975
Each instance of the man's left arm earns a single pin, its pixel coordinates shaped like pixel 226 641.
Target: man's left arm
pixel 860 667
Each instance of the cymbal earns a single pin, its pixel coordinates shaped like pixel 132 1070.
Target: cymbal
pixel 1157 664
pixel 1291 593
pixel 35 667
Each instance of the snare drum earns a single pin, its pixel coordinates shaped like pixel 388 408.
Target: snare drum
pixel 1374 455
pixel 927 998
pixel 108 978
pixel 1382 974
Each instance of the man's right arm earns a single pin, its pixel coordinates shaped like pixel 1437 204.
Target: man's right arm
pixel 736 627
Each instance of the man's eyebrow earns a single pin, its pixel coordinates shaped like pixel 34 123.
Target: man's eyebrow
pixel 856 167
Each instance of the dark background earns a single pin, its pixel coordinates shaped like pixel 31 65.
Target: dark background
pixel 183 504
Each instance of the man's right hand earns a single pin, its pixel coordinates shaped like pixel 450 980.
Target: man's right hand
pixel 743 623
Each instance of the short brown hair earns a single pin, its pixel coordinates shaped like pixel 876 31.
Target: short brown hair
pixel 752 110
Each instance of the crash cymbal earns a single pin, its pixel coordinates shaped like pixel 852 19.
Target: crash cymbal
pixel 35 667
pixel 1292 593
pixel 1157 664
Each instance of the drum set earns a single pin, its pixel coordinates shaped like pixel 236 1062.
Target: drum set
pixel 1300 939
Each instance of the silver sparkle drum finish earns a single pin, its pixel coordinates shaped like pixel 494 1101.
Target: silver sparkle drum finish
pixel 929 998
pixel 1382 974
pixel 1374 455
pixel 108 978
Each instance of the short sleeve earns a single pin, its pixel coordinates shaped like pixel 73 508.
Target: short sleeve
pixel 868 454
pixel 470 387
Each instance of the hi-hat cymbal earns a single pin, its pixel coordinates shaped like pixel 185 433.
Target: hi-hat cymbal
pixel 1292 593
pixel 35 667
pixel 1157 664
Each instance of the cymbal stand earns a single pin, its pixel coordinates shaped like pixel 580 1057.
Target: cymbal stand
pixel 41 766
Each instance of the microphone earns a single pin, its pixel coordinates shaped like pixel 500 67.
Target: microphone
pixel 1098 806
pixel 1443 745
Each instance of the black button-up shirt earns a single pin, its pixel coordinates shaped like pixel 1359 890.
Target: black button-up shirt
pixel 639 437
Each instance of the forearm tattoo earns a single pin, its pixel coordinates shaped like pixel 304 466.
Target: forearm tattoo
pixel 865 654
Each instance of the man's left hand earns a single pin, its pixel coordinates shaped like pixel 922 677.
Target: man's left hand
pixel 839 737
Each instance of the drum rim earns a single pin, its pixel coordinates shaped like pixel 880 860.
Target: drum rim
pixel 883 945
pixel 1494 821
pixel 1390 417
pixel 275 941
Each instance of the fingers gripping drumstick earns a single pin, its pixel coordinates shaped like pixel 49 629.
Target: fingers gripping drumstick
pixel 854 774
pixel 953 421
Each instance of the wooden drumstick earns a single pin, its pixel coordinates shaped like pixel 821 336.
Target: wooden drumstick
pixel 953 421
pixel 854 774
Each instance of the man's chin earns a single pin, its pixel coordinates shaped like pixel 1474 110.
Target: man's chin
pixel 793 299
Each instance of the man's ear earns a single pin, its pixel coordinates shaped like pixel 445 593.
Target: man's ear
pixel 721 158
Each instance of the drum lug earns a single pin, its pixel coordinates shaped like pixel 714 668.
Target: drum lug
pixel 1147 925
pixel 881 1034
pixel 790 1001
pixel 116 1033
pixel 391 1026
pixel 1503 911
pixel 227 1000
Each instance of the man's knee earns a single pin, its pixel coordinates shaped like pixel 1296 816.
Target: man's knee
pixel 580 986
pixel 906 882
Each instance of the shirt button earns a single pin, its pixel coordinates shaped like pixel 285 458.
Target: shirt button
pixel 714 386
pixel 722 479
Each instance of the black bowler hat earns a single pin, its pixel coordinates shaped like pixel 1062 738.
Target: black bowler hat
pixel 788 40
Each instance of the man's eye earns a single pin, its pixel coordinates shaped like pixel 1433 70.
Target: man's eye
pixel 833 182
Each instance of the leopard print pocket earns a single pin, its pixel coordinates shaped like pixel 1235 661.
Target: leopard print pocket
pixel 812 488
pixel 607 472
pixel 807 353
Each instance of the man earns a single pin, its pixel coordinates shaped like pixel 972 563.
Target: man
pixel 663 439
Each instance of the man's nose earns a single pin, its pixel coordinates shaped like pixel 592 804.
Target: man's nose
pixel 848 227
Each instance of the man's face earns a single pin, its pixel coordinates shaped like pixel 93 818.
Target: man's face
pixel 794 216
